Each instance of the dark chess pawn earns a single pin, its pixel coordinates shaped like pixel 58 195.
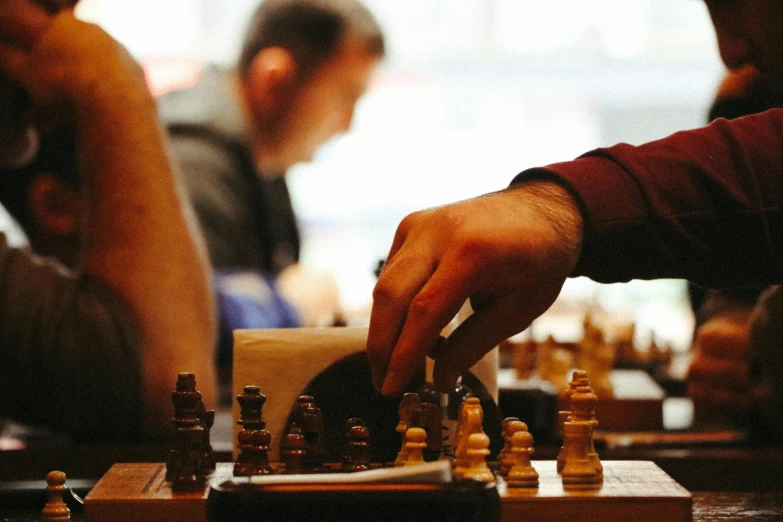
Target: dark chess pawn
pixel 293 450
pixel 186 467
pixel 207 418
pixel 357 452
pixel 253 439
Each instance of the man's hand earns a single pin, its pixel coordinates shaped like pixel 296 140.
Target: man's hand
pixel 718 378
pixel 508 252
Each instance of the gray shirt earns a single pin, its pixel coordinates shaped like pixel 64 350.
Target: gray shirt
pixel 69 351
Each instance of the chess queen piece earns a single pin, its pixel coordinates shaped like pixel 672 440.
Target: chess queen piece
pixel 55 510
pixel 253 439
pixel 522 474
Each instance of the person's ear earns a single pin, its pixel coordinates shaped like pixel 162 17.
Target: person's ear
pixel 271 78
pixel 55 206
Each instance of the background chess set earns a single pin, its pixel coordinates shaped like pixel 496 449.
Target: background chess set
pixel 612 490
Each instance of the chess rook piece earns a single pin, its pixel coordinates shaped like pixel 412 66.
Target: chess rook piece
pixel 55 510
pixel 357 453
pixel 187 466
pixel 415 442
pixel 582 465
pixel 509 458
pixel 522 474
pixel 477 449
pixel 409 403
pixel 471 421
pixel 578 378
pixel 293 449
pixel 253 438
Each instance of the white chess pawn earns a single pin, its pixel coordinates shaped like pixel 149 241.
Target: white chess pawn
pixel 415 442
pixel 476 454
pixel 508 460
pixel 55 510
pixel 522 474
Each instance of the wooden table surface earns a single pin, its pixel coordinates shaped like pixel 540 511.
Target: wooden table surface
pixel 707 507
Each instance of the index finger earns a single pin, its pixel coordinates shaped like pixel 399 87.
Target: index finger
pixel 21 21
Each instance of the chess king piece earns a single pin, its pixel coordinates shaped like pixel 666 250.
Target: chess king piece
pixel 470 421
pixel 522 474
pixel 293 449
pixel 477 449
pixel 357 453
pixel 55 510
pixel 509 458
pixel 415 442
pixel 253 438
pixel 409 403
pixel 187 466
pixel 582 465
pixel 578 378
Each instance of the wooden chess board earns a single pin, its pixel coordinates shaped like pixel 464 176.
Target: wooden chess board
pixel 632 490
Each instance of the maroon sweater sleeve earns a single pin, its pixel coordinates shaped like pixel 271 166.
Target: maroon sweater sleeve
pixel 704 205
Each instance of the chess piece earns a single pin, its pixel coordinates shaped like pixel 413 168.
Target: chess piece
pixel 506 444
pixel 451 405
pixel 578 378
pixel 509 458
pixel 253 439
pixel 187 466
pixel 477 449
pixel 207 419
pixel 470 422
pixel 582 466
pixel 357 454
pixel 415 442
pixel 431 420
pixel 522 474
pixel 293 449
pixel 409 403
pixel 312 428
pixel 55 510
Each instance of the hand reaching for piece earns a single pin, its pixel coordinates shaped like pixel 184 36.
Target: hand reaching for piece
pixel 509 252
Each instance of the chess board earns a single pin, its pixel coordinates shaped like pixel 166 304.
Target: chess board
pixel 632 490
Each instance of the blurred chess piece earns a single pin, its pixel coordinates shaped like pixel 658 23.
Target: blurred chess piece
pixel 415 442
pixel 471 421
pixel 409 403
pixel 554 363
pixel 524 358
pixel 508 459
pixel 188 464
pixel 578 378
pixel 506 445
pixel 55 510
pixel 522 473
pixel 357 452
pixel 292 450
pixel 477 449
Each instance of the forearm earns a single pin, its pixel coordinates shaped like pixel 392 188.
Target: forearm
pixel 142 241
pixel 704 205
